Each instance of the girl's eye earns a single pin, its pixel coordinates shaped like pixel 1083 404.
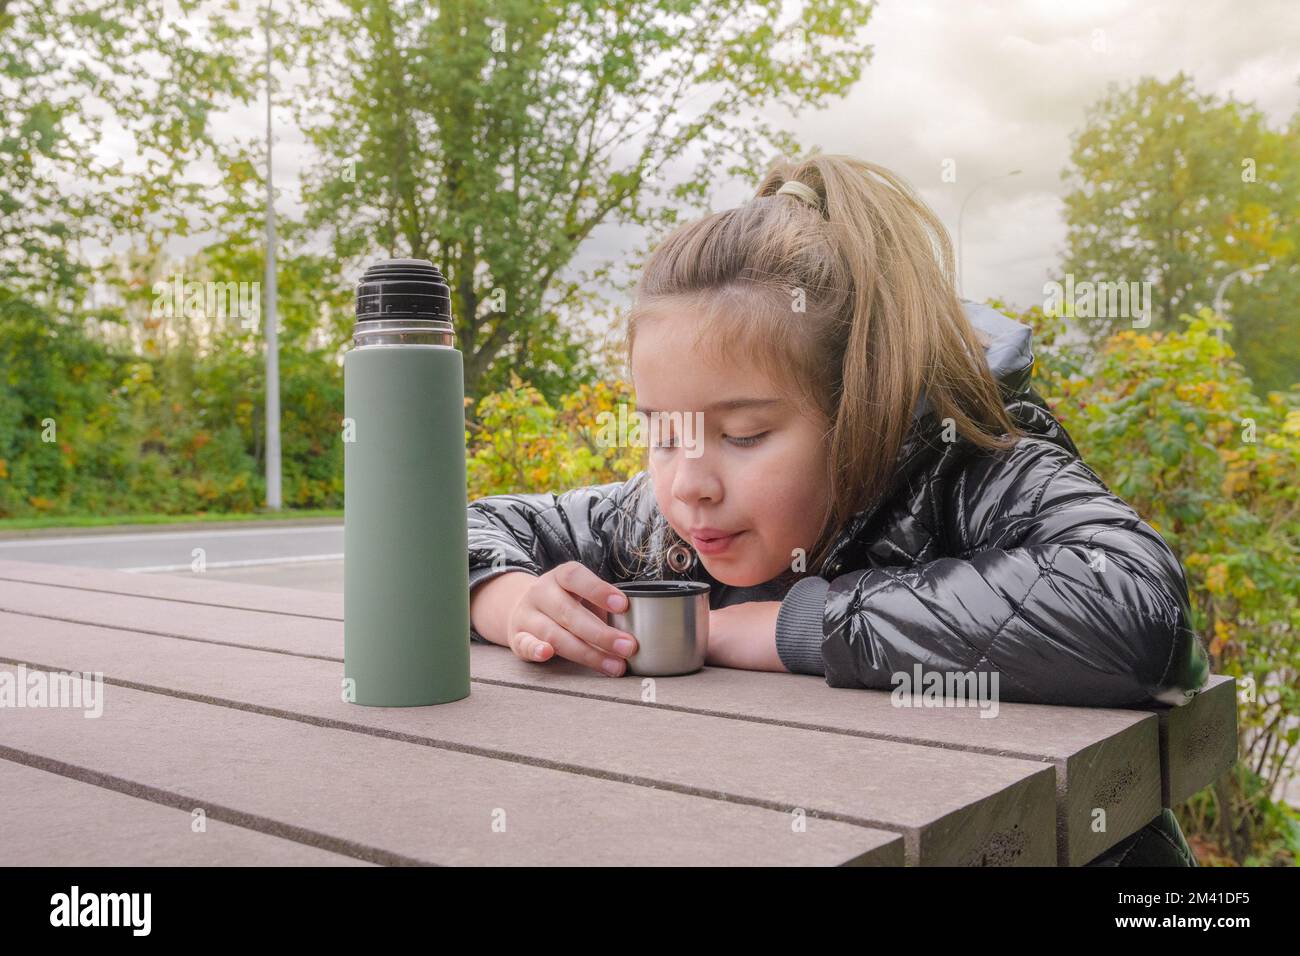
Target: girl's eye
pixel 746 441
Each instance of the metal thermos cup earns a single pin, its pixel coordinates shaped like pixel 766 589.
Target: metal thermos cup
pixel 670 621
pixel 405 526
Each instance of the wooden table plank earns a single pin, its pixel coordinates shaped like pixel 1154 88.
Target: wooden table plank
pixel 1114 752
pixel 987 807
pixel 391 801
pixel 1103 759
pixel 51 820
pixel 1197 742
pixel 177 587
pixel 290 633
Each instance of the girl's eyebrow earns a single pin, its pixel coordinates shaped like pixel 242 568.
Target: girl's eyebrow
pixel 728 404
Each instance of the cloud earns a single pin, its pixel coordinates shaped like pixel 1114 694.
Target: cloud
pixel 996 87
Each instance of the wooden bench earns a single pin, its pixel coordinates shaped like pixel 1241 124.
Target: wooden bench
pixel 224 738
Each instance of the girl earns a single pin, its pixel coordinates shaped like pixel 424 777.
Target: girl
pixel 874 487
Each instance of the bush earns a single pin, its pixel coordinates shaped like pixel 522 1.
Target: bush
pixel 519 443
pixel 1169 420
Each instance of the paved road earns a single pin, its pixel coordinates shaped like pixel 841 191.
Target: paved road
pixel 308 557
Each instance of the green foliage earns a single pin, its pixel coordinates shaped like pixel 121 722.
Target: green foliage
pixel 147 411
pixel 1171 422
pixel 494 138
pixel 1184 190
pixel 153 78
pixel 521 443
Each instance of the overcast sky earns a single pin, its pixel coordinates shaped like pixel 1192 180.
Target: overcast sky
pixel 998 86
pixel 992 86
pixel 1001 86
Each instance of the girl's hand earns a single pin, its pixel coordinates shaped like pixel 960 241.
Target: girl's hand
pixel 744 636
pixel 565 613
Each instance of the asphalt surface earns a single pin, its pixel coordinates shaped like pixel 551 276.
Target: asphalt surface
pixel 309 557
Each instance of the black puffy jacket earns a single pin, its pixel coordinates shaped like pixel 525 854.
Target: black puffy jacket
pixel 1019 563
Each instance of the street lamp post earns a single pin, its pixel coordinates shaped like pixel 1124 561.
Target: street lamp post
pixel 1218 295
pixel 961 255
pixel 272 332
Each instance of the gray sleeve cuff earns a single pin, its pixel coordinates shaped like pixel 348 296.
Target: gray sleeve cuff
pixel 799 626
pixel 478 576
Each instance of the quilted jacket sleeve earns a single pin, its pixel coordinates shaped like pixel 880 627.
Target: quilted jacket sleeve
pixel 1054 583
pixel 536 532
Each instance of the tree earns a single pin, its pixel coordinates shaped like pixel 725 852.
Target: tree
pixel 494 137
pixel 1182 189
pixel 67 71
pixel 157 78
pixel 1264 313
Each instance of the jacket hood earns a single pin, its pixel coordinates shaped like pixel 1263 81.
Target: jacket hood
pixel 1009 353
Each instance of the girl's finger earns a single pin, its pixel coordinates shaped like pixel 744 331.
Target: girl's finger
pixel 575 616
pixel 600 612
pixel 529 647
pixel 573 648
pixel 581 581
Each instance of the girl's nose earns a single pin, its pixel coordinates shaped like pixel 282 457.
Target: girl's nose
pixel 695 480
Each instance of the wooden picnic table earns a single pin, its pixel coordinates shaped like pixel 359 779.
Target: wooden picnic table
pixel 224 739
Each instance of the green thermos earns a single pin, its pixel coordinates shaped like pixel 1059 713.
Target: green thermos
pixel 405 532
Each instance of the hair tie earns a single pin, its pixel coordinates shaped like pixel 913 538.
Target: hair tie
pixel 797 189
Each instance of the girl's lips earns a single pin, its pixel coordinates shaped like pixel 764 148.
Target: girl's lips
pixel 714 545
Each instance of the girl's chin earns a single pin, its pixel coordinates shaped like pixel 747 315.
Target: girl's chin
pixel 732 575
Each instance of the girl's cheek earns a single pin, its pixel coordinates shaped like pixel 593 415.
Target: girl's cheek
pixel 661 480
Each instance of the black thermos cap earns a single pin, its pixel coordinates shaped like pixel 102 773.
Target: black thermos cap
pixel 403 288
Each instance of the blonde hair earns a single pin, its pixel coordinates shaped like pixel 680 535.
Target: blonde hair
pixel 850 308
